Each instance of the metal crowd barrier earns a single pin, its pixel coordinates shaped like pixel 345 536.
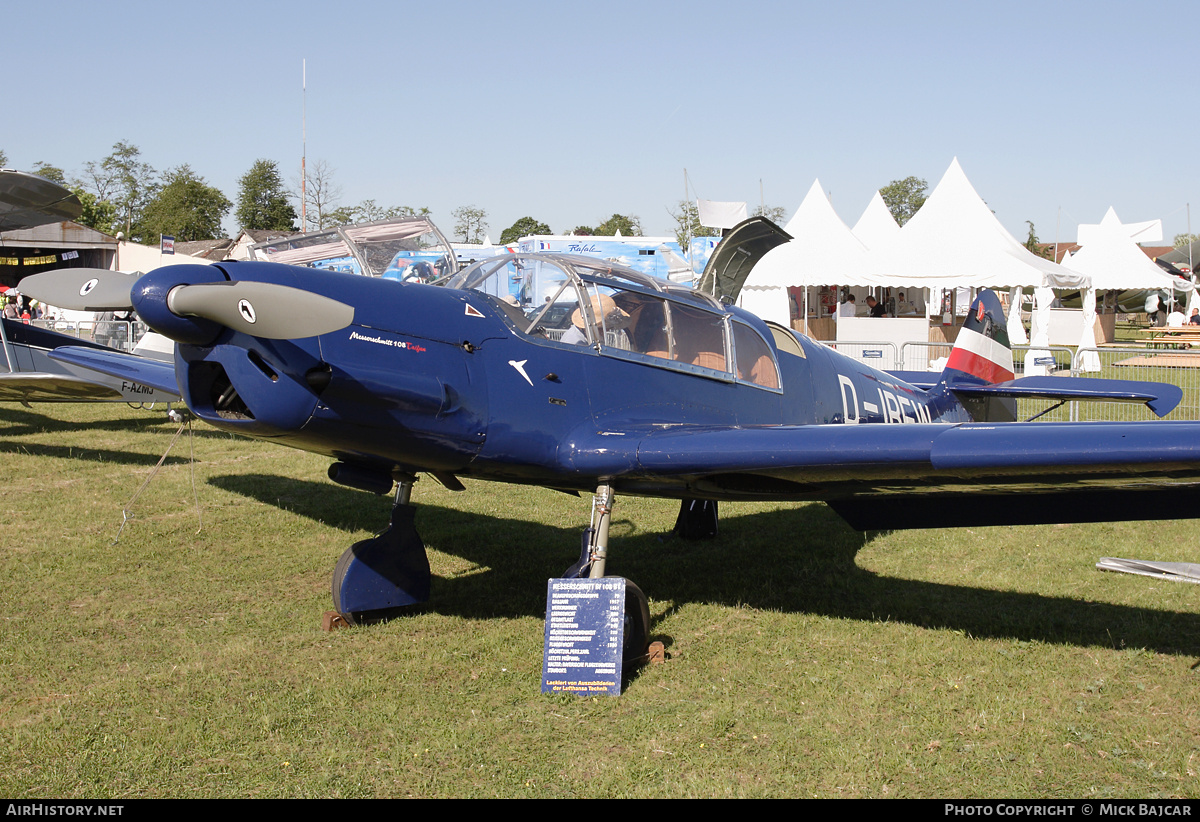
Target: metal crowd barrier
pixel 916 356
pixel 882 355
pixel 117 334
pixel 1180 368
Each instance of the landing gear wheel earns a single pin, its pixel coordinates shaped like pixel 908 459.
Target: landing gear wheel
pixel 637 626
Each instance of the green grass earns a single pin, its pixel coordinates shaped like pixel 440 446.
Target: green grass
pixel 806 659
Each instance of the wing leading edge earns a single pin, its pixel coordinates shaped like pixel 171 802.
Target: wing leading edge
pixel 154 373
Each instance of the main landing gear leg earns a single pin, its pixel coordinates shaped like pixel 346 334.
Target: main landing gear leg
pixel 592 561
pixel 377 576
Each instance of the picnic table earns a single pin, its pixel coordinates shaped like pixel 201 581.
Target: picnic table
pixel 1179 337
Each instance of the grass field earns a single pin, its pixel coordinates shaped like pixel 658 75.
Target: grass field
pixel 806 659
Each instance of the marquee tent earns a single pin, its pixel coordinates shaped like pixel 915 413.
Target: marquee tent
pixel 876 227
pixel 1112 259
pixel 955 241
pixel 823 251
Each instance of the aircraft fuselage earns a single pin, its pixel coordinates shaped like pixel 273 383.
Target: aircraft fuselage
pixel 437 379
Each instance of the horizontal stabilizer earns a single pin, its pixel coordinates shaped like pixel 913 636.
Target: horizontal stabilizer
pixel 1161 398
pixel 153 373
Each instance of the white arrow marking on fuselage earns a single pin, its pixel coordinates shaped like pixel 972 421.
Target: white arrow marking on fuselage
pixel 520 366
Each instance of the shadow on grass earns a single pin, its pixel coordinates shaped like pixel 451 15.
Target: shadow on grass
pixel 19 422
pixel 78 452
pixel 16 423
pixel 798 560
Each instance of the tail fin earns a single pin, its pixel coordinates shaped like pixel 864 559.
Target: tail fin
pixel 981 351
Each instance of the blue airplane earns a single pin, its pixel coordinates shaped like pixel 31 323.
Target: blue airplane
pixel 579 375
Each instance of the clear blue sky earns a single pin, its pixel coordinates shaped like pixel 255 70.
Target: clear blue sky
pixel 568 113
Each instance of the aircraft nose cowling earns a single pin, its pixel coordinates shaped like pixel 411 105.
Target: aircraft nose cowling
pixel 149 297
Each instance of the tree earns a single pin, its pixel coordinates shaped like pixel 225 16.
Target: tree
pixel 1182 240
pixel 98 214
pixel 321 194
pixel 3 159
pixel 582 231
pixel 369 211
pixel 775 214
pixel 629 226
pixel 1034 244
pixel 524 227
pixel 123 179
pixel 470 222
pixel 186 208
pixel 262 200
pixel 687 223
pixel 53 173
pixel 904 197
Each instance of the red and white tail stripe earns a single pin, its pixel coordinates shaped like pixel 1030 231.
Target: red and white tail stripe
pixel 981 356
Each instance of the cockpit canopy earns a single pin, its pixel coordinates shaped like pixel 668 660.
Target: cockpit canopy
pixel 571 300
pixel 406 248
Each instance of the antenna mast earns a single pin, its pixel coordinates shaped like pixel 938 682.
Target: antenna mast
pixel 303 144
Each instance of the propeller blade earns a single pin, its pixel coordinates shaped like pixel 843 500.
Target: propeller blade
pixel 267 310
pixel 81 289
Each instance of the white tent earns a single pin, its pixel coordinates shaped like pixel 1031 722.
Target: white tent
pixel 1112 259
pixel 876 227
pixel 955 241
pixel 823 251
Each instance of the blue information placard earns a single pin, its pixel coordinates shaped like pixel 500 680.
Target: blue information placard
pixel 585 620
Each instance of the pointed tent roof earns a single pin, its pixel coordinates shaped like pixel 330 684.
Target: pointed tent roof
pixel 1113 260
pixel 876 227
pixel 1147 231
pixel 954 240
pixel 823 249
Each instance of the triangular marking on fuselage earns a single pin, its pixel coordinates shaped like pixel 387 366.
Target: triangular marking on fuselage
pixel 520 366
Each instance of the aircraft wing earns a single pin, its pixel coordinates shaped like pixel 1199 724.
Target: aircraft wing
pixel 156 374
pixel 920 475
pixel 27 200
pixel 38 386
